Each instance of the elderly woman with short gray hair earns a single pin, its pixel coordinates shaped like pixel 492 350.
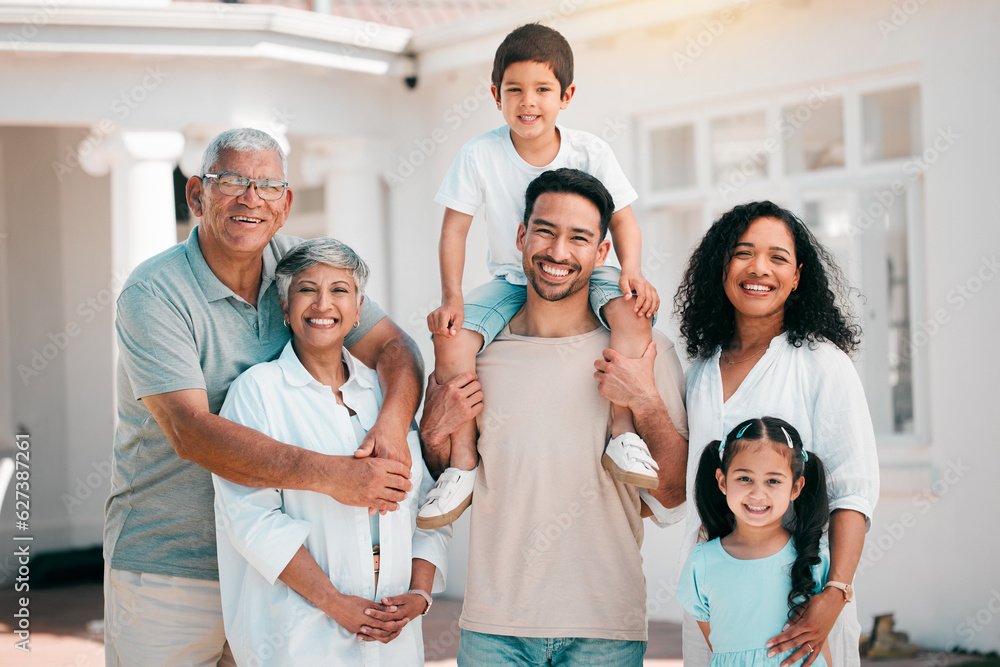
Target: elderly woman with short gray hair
pixel 305 579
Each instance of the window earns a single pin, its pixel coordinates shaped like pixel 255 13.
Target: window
pixel 841 157
pixel 739 147
pixel 872 248
pixel 814 135
pixel 891 122
pixel 673 157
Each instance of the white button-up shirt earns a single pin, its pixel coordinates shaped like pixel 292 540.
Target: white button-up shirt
pixel 260 530
pixel 815 390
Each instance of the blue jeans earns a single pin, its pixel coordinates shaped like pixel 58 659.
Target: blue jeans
pixel 479 650
pixel 490 307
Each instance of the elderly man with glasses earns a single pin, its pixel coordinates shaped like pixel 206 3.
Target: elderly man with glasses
pixel 189 321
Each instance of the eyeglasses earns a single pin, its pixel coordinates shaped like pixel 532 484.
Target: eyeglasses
pixel 234 186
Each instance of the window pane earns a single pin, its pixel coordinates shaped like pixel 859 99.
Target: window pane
pixel 897 304
pixel 814 135
pixel 891 124
pixel 673 158
pixel 668 236
pixel 829 218
pixel 739 153
pixel 868 241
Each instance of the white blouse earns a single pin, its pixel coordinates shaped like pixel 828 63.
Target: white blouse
pixel 259 530
pixel 815 390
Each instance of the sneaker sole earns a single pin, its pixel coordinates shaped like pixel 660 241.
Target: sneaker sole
pixel 626 477
pixel 432 522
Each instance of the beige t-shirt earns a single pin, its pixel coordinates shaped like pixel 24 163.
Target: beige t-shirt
pixel 554 546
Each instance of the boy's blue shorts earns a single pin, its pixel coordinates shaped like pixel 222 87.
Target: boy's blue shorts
pixel 490 307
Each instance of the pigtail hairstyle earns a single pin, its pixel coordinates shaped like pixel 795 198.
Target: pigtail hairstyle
pixel 715 514
pixel 811 508
pixel 716 517
pixel 812 513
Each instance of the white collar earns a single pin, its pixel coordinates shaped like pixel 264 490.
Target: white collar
pixel 355 390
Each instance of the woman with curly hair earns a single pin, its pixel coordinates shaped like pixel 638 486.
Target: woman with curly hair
pixel 762 308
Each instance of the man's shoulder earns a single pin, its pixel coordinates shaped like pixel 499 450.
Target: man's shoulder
pixel 281 244
pixel 165 260
pixel 166 265
pixel 666 349
pixel 598 337
pixel 171 267
pixel 663 342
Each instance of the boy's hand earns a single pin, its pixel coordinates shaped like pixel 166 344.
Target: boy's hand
pixel 647 301
pixel 447 320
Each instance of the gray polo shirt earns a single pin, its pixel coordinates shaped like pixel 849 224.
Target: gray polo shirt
pixel 179 328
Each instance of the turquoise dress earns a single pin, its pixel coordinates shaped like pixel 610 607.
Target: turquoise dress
pixel 745 601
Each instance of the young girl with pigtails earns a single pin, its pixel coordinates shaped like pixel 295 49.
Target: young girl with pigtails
pixel 756 573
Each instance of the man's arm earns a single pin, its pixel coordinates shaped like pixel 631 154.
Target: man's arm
pixel 396 359
pixel 248 457
pixel 631 383
pixel 447 407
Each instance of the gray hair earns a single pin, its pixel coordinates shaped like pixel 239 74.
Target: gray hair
pixel 242 140
pixel 322 250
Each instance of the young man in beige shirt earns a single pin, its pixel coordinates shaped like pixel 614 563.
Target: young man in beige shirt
pixel 555 573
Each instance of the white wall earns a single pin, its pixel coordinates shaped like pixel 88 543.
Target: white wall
pixel 89 289
pixel 60 343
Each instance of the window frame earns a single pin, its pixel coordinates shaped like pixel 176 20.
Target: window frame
pixel 792 190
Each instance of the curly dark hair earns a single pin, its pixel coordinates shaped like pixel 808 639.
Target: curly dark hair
pixel 817 310
pixel 812 507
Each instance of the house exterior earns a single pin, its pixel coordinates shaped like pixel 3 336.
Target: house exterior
pixel 873 120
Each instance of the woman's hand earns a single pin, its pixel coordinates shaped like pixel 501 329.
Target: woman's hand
pixel 351 613
pixel 398 610
pixel 647 301
pixel 809 632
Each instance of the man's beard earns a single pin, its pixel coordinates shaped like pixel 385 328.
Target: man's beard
pixel 558 292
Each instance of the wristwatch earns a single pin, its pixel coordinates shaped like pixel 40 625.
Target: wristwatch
pixel 425 595
pixel 846 589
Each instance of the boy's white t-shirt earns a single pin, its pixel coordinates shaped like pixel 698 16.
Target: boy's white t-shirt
pixel 489 170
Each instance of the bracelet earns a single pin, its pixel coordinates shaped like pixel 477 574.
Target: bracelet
pixel 425 595
pixel 846 589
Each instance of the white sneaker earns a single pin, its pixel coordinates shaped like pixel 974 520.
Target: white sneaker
pixel 628 459
pixel 448 499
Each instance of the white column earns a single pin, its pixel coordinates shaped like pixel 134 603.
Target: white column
pixel 143 221
pixel 354 208
pixel 195 142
